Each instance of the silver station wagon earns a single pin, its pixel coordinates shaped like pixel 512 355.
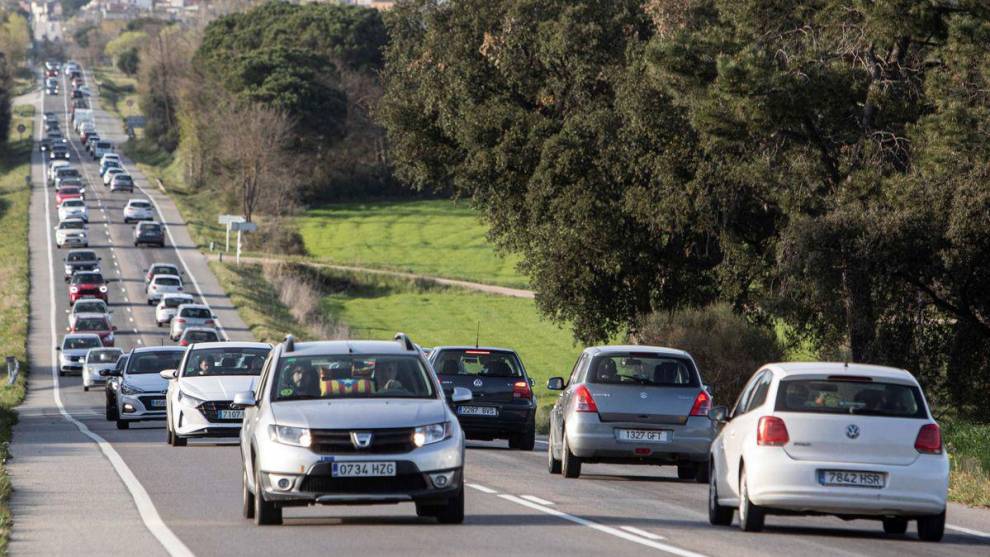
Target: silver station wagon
pixel 631 405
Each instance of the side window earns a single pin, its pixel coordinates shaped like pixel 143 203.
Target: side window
pixel 582 372
pixel 576 372
pixel 121 363
pixel 265 373
pixel 760 392
pixel 743 401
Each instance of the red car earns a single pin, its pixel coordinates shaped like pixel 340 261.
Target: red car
pixel 96 323
pixel 67 192
pixel 87 284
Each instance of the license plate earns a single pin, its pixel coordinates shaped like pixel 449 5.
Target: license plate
pixel 850 478
pixel 158 403
pixel 643 435
pixel 231 414
pixel 477 411
pixel 362 469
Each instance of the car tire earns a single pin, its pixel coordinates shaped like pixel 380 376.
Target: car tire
pixel 931 528
pixel 553 463
pixel 178 441
pixel 111 412
pixel 265 513
pixel 123 424
pixel 85 388
pixel 895 526
pixel 453 511
pixel 686 471
pixel 526 441
pixel 718 515
pixel 751 517
pixel 570 465
pixel 701 473
pixel 247 498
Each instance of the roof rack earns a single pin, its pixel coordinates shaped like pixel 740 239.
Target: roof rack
pixel 404 339
pixel 290 343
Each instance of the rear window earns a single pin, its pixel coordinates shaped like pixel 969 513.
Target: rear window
pixel 139 204
pixel 167 281
pixel 126 178
pixel 103 145
pixel 150 228
pixel 867 398
pixel 196 313
pixel 176 302
pixel 201 336
pixel 91 324
pixel 154 362
pixel 485 363
pixel 74 203
pixel 103 356
pixel 69 190
pixel 642 369
pixel 164 270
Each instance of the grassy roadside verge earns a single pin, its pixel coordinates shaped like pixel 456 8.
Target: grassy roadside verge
pixel 968 445
pixel 15 196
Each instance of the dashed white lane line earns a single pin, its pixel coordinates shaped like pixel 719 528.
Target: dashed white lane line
pixel 969 531
pixel 537 500
pixel 619 533
pixel 644 533
pixel 481 488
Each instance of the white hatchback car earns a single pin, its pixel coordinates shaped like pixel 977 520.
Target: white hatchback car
pixel 191 315
pixel 168 305
pixel 161 285
pixel 849 440
pixel 71 232
pixel 138 210
pixel 73 209
pixel 98 359
pixel 201 389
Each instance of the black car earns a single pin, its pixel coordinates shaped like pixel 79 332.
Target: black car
pixel 112 386
pixel 149 233
pixel 59 151
pixel 503 406
pixel 81 261
pixel 53 137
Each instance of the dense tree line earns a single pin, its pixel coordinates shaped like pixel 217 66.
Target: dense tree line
pixel 820 162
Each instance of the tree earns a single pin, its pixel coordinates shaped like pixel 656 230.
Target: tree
pixel 165 58
pixel 128 61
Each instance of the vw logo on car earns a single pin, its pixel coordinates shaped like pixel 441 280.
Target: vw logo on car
pixel 852 431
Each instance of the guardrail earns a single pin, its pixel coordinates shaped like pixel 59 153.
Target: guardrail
pixel 13 368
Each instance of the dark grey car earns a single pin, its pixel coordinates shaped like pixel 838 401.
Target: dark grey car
pixel 149 233
pixel 631 405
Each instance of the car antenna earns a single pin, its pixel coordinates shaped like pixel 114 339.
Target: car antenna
pixel 477 335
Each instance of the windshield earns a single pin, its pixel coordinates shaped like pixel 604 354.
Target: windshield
pixel 77 343
pixel 634 368
pixel 850 397
pixel 176 302
pixel 74 203
pixel 69 190
pixel 103 356
pixel 330 377
pixel 486 363
pixel 91 324
pixel 196 313
pixel 67 172
pixel 153 361
pixel 167 281
pixel 81 256
pixel 225 361
pixel 80 278
pixel 89 307
pixel 72 225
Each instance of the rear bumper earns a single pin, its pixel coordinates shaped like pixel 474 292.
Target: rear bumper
pixel 592 440
pixel 511 420
pixel 777 481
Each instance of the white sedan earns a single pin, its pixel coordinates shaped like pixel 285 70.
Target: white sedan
pixel 73 209
pixel 854 441
pixel 161 285
pixel 201 389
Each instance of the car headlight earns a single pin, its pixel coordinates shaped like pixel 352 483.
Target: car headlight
pixel 73 289
pixel 127 389
pixel 103 289
pixel 287 435
pixel 190 401
pixel 434 433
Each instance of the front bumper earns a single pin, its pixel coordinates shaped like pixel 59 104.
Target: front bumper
pixel 777 481
pixel 193 422
pixel 591 439
pixel 139 407
pixel 77 241
pixel 70 366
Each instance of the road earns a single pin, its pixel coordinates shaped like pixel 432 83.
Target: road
pixel 82 487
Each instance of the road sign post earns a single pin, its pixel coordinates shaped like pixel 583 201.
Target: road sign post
pixel 230 220
pixel 242 227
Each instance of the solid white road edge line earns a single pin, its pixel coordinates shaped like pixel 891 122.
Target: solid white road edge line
pixel 481 488
pixel 537 500
pixel 644 533
pixel 146 508
pixel 604 529
pixel 976 533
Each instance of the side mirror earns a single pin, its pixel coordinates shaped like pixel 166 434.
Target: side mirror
pixel 109 373
pixel 169 374
pixel 244 400
pixel 461 395
pixel 115 327
pixel 555 384
pixel 719 414
pixel 531 382
pixel 58 348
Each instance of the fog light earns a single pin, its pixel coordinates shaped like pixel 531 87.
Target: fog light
pixel 128 407
pixel 442 479
pixel 280 482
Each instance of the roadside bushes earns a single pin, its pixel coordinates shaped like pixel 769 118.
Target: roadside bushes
pixel 726 347
pixel 302 294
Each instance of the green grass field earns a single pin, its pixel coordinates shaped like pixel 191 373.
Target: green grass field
pixel 15 197
pixel 437 238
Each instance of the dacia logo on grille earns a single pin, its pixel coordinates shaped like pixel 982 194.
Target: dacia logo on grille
pixel 852 431
pixel 361 439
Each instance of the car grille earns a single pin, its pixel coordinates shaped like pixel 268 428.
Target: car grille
pixel 211 410
pixel 383 441
pixel 146 401
pixel 396 484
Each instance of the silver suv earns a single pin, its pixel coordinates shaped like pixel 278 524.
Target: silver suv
pixel 350 422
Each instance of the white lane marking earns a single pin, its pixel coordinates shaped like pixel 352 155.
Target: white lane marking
pixel 481 488
pixel 537 500
pixel 604 529
pixel 146 508
pixel 644 533
pixel 976 533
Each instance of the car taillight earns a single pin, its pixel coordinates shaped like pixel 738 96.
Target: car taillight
pixel 103 289
pixel 929 440
pixel 521 390
pixel 180 321
pixel 583 400
pixel 772 432
pixel 702 404
pixel 208 322
pixel 154 287
pixel 183 342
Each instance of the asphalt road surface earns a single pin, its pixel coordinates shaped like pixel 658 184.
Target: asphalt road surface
pixel 82 487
